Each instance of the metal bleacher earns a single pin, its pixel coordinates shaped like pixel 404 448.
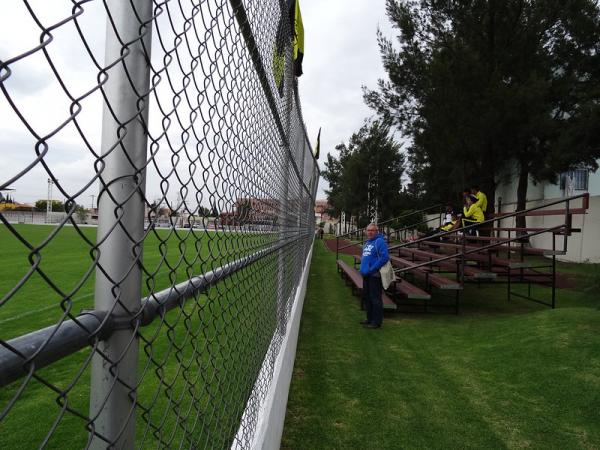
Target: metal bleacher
pixel 430 267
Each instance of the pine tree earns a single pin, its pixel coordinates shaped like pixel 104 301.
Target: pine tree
pixel 481 84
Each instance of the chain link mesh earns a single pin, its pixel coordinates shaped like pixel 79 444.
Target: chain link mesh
pixel 202 239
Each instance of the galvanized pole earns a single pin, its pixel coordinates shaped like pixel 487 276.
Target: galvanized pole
pixel 281 257
pixel 121 221
pixel 283 234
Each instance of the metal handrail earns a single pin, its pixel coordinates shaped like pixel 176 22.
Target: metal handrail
pixel 468 252
pixel 391 220
pixel 504 241
pixel 337 238
pixel 507 216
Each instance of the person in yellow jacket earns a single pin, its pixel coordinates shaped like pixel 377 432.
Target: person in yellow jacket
pixel 472 213
pixel 481 198
pixel 452 224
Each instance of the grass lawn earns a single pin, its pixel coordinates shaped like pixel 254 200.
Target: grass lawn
pixel 197 365
pixel 498 375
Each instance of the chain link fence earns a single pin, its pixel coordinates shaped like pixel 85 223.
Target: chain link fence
pixel 159 327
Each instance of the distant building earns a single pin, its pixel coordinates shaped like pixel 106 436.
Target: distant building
pixel 252 211
pixel 321 215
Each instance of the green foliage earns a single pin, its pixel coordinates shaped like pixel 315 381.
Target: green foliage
pixel 498 375
pixel 57 205
pixel 592 282
pixel 204 211
pixel 407 218
pixel 81 213
pixel 6 198
pixel 477 84
pixel 65 260
pixel 368 169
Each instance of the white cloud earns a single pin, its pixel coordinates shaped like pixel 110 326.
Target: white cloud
pixel 341 56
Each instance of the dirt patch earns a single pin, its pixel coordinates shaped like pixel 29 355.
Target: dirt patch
pixel 566 281
pixel 348 247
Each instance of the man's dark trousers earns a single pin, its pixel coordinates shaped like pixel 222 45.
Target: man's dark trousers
pixel 372 290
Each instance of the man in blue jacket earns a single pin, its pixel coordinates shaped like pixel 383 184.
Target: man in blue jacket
pixel 374 256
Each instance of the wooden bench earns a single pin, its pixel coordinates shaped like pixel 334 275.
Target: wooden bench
pixel 426 275
pixel 517 269
pixel 448 265
pixel 410 291
pixel 404 288
pixel 352 275
pixel 485 257
pixel 503 247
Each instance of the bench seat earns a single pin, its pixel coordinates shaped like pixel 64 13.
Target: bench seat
pixel 448 265
pixel 426 275
pixel 351 274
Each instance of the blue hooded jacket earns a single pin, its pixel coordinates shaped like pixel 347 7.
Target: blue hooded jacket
pixel 374 256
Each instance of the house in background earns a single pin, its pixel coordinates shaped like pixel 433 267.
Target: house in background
pixel 582 247
pixel 321 215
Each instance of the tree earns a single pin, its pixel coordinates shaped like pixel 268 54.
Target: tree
pixel 57 205
pixel 367 175
pixel 478 84
pixel 203 211
pixel 243 213
pixel 214 212
pixel 81 213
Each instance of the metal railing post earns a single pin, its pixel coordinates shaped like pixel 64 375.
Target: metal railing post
pixel 499 212
pixel 567 230
pixel 121 222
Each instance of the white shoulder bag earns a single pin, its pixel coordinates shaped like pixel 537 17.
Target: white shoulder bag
pixel 387 273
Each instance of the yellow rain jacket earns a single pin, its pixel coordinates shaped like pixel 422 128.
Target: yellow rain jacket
pixel 449 226
pixel 473 213
pixel 481 201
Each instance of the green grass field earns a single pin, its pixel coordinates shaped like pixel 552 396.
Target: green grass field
pixel 197 364
pixel 498 375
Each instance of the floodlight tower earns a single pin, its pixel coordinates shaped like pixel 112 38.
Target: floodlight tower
pixel 372 197
pixel 49 201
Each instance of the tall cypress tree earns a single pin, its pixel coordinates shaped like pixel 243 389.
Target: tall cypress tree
pixel 477 85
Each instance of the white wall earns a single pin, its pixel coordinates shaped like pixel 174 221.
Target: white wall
pixel 581 247
pixel 271 416
pixel 594 183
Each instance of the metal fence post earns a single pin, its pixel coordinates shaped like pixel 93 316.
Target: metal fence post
pixel 121 221
pixel 281 259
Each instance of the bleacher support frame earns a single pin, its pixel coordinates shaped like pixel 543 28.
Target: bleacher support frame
pixel 565 229
pixel 508 271
pixel 361 232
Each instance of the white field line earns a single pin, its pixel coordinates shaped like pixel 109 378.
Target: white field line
pixel 36 311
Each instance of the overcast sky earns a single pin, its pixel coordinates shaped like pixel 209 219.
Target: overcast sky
pixel 341 55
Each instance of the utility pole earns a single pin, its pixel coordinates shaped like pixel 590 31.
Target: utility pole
pixel 93 196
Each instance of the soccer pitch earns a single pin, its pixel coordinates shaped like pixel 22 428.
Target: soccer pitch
pixel 197 363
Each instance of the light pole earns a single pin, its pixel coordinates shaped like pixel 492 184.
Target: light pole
pixel 49 201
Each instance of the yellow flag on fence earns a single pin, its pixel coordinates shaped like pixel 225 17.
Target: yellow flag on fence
pixel 318 146
pixel 292 18
pixel 298 40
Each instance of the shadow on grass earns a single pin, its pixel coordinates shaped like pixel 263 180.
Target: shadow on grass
pixel 498 375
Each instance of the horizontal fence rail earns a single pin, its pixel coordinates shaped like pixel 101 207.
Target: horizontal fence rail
pixel 151 318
